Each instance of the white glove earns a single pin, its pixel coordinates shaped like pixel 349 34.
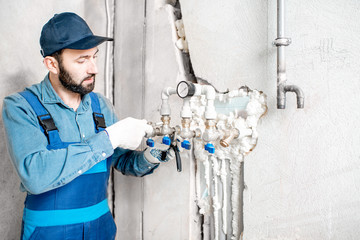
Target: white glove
pixel 159 153
pixel 128 133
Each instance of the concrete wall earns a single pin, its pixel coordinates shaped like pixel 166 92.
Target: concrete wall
pixel 302 179
pixel 156 206
pixel 20 66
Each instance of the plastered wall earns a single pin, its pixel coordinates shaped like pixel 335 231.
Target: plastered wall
pixel 155 206
pixel 20 66
pixel 302 179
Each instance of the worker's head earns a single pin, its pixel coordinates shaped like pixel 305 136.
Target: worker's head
pixel 69 49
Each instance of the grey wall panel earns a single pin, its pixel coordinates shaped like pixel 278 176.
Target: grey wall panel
pixel 166 192
pixel 128 95
pixel 157 206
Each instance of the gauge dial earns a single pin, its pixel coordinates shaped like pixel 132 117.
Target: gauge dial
pixel 185 89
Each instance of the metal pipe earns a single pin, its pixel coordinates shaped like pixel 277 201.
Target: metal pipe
pixel 108 86
pixel 281 42
pixel 234 133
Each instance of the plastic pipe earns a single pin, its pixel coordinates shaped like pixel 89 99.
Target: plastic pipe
pixel 165 107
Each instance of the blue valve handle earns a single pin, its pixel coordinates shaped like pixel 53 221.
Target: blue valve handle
pixel 210 148
pixel 166 140
pixel 150 142
pixel 186 144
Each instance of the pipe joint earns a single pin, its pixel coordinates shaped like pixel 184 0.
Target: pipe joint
pixel 281 96
pixel 165 107
pixel 210 133
pixel 233 134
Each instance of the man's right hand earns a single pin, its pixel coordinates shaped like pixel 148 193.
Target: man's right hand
pixel 128 133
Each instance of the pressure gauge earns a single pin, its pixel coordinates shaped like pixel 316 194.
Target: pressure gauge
pixel 185 89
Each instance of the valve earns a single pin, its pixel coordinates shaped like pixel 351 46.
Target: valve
pixel 166 140
pixel 210 148
pixel 186 144
pixel 232 134
pixel 150 142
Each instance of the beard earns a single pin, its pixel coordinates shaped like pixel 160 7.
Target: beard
pixel 68 82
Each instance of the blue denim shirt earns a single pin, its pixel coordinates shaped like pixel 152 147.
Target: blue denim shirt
pixel 40 169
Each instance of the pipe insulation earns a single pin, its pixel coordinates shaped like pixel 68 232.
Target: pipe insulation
pixel 212 192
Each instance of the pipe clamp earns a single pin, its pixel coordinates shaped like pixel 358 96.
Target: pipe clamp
pixel 279 42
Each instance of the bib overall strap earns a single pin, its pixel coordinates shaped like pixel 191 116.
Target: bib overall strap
pixel 46 122
pixel 98 116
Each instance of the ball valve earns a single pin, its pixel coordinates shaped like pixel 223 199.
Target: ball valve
pixel 185 90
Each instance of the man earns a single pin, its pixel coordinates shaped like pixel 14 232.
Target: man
pixel 63 139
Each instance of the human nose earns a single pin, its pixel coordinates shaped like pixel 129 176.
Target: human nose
pixel 92 67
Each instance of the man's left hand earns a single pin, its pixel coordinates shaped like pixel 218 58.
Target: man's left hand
pixel 159 153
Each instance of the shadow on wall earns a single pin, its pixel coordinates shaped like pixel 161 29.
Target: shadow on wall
pixel 11 199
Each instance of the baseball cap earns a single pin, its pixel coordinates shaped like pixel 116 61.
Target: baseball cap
pixel 67 30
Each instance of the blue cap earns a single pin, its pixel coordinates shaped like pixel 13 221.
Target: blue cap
pixel 166 140
pixel 67 30
pixel 150 142
pixel 186 144
pixel 210 148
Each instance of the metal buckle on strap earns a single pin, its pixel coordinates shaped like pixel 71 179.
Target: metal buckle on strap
pixel 99 120
pixel 47 123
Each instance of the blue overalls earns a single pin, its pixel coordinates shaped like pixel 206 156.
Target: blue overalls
pixel 77 210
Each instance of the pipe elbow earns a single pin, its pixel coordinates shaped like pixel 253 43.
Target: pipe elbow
pixel 299 94
pixel 165 107
pixel 209 92
pixel 166 92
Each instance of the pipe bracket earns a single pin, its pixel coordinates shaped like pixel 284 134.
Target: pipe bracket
pixel 279 42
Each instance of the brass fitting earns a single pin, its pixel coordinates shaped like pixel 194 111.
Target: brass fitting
pixel 234 133
pixel 166 119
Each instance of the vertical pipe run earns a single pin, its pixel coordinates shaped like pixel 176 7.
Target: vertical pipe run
pixel 281 42
pixel 108 92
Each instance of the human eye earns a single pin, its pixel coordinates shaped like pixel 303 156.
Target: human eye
pixel 81 60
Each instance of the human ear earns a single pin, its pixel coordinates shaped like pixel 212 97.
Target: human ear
pixel 51 64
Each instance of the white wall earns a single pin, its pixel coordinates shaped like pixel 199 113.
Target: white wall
pixel 302 179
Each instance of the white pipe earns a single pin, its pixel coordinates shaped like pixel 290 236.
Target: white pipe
pixel 178 53
pixel 165 107
pixel 223 177
pixel 210 95
pixel 207 216
pixel 235 168
pixel 215 196
pixel 186 110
